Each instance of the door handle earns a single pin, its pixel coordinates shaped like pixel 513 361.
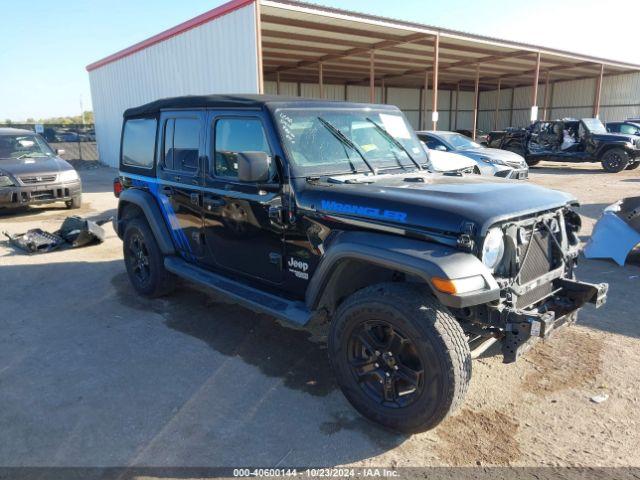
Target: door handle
pixel 211 203
pixel 167 191
pixel 195 198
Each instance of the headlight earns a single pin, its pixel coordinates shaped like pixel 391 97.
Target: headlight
pixel 68 176
pixel 493 248
pixel 494 161
pixel 5 181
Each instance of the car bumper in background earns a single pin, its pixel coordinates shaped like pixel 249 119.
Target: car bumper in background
pixel 38 194
pixel 514 174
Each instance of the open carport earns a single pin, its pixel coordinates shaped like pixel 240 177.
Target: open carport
pixel 439 77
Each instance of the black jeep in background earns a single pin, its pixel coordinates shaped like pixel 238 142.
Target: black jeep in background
pixel 323 213
pixel 571 140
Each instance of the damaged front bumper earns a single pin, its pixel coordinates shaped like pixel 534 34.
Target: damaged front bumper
pixel 523 327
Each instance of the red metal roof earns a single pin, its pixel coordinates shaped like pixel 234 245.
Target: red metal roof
pixel 172 32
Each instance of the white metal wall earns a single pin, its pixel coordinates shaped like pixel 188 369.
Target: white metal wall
pixel 620 100
pixel 217 57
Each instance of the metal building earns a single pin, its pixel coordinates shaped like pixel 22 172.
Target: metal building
pixel 441 78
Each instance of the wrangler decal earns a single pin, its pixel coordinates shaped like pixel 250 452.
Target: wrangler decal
pixel 371 212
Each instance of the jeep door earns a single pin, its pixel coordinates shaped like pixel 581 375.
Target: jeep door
pixel 180 152
pixel 242 230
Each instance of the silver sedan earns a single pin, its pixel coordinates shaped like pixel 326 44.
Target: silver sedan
pixel 490 161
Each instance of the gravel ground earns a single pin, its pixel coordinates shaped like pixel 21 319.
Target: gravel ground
pixel 93 375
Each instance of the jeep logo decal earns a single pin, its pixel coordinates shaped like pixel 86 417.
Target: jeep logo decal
pixel 298 268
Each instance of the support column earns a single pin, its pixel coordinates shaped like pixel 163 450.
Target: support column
pixel 475 101
pixel 436 65
pixel 545 111
pixel 497 114
pixel 383 87
pixel 424 102
pixel 277 83
pixel 259 48
pixel 372 77
pixel 455 124
pixel 534 95
pixel 513 97
pixel 321 79
pixel 596 100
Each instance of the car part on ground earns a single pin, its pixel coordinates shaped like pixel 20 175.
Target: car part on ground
pixel 489 161
pixel 326 215
pixel 571 140
pixel 74 232
pixel 617 231
pixel 32 173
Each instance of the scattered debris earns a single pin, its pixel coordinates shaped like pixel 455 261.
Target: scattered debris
pixel 73 233
pixel 617 231
pixel 602 397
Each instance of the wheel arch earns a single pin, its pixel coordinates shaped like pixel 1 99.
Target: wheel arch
pixel 356 260
pixel 134 203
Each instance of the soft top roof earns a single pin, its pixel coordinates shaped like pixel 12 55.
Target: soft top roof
pixel 239 101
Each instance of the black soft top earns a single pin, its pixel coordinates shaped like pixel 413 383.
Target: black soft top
pixel 238 101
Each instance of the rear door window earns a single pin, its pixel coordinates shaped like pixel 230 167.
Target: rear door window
pixel 181 144
pixel 138 142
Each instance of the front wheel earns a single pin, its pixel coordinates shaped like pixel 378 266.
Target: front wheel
pixel 75 202
pixel 400 358
pixel 615 160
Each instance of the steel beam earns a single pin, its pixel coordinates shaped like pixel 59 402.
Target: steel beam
pixel 475 101
pixel 436 60
pixel 596 100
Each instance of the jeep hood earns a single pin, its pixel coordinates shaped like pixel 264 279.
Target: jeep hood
pixel 430 202
pixel 36 165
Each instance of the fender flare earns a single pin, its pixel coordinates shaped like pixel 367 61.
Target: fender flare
pixel 418 258
pixel 146 202
pixel 605 147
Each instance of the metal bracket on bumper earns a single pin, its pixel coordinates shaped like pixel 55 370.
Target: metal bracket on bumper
pixel 522 327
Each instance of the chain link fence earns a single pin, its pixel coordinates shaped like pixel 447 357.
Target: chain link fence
pixel 78 141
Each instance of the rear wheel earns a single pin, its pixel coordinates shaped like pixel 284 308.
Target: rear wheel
pixel 400 358
pixel 615 160
pixel 144 260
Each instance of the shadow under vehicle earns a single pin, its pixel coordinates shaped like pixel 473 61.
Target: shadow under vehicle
pixel 32 173
pixel 571 140
pixel 323 215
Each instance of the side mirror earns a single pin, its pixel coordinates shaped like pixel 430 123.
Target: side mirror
pixel 60 151
pixel 253 167
pixel 442 148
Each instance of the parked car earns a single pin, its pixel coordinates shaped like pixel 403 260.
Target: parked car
pixel 68 137
pixel 31 172
pixel 626 128
pixel 585 140
pixel 490 161
pixel 481 136
pixel 320 212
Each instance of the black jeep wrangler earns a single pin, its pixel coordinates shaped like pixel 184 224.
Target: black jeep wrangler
pixel 571 140
pixel 323 213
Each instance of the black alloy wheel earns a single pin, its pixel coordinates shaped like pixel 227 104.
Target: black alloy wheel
pixel 385 364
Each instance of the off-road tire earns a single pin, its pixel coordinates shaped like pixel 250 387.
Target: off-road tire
pixel 439 342
pixel 614 160
pixel 532 162
pixel 633 166
pixel 74 203
pixel 159 281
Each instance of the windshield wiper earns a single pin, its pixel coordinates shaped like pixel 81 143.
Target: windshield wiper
pixel 394 141
pixel 345 141
pixel 28 155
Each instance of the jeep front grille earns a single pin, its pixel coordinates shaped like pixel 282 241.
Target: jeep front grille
pixel 37 179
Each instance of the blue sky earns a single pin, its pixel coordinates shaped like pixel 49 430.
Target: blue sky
pixel 46 45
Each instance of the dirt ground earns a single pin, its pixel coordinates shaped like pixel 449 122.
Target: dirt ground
pixel 91 374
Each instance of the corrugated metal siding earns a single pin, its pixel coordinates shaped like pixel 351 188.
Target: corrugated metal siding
pixel 217 57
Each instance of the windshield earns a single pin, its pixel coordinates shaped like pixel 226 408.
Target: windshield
pixel 335 141
pixel 22 146
pixel 594 125
pixel 459 142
